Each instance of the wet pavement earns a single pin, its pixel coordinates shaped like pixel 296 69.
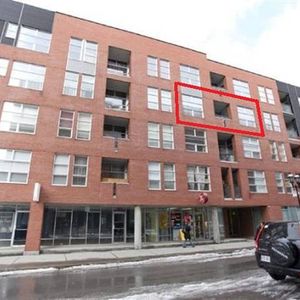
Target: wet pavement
pixel 205 276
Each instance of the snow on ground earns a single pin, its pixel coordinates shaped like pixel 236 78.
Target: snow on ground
pixel 201 257
pixel 262 285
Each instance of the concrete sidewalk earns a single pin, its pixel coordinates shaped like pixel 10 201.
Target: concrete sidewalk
pixel 63 260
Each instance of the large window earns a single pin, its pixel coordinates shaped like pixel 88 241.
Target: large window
pixel 34 39
pixel 251 147
pixel 154 176
pixel 80 171
pixel 189 75
pixel 14 165
pixel 192 106
pixel 60 169
pixel 3 66
pixel 283 184
pixel 265 95
pixel 241 88
pixel 71 85
pixel 155 135
pixel 257 182
pixel 271 122
pixel 162 100
pixel 278 151
pixel 158 67
pixel 195 140
pixel 27 76
pixel 82 50
pixel 198 178
pixel 18 117
pixel 246 116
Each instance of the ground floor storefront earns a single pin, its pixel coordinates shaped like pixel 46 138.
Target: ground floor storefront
pixel 70 225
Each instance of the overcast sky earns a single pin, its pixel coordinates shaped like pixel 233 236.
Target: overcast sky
pixel 262 36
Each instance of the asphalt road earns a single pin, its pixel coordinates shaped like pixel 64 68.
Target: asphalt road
pixel 190 278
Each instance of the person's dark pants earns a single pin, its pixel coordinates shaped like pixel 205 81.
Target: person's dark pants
pixel 187 237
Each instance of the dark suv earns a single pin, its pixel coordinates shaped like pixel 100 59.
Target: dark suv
pixel 278 248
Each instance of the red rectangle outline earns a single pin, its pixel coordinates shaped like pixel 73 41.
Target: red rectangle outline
pixel 260 133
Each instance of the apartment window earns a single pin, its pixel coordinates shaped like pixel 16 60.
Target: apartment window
pixel 80 171
pixel 18 117
pixel 164 102
pixel 114 169
pixel 27 76
pixel 60 169
pixel 82 50
pixel 168 137
pixel 84 126
pixel 198 178
pixel 241 88
pixel 265 95
pixel 195 140
pixel 14 165
pixel 251 147
pixel 87 86
pixel 283 184
pixel 34 39
pixel 71 85
pixel 3 66
pixel 246 116
pixel 154 136
pixel 271 122
pixel 169 176
pixel 154 177
pixel 278 151
pixel 65 126
pixel 192 106
pixel 189 75
pixel 257 182
pixel 154 65
pixel 11 31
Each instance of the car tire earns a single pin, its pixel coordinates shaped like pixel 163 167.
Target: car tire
pixel 283 252
pixel 277 276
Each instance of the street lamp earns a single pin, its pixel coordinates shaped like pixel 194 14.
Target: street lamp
pixel 294 179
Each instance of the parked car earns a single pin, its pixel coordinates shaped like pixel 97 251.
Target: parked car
pixel 278 248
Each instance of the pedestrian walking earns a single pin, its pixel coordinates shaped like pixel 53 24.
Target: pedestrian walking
pixel 187 228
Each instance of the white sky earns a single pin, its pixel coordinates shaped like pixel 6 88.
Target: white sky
pixel 258 35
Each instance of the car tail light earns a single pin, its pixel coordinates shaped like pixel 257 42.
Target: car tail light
pixel 258 234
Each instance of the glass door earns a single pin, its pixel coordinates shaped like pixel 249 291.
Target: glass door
pixel 119 221
pixel 20 231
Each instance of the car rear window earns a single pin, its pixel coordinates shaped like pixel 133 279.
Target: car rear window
pixel 275 231
pixel 294 231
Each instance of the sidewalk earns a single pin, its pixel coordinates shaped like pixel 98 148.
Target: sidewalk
pixel 69 259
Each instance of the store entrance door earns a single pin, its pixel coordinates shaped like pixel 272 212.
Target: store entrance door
pixel 119 227
pixel 20 231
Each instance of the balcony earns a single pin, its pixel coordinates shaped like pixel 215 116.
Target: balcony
pixel 226 152
pixel 295 149
pixel 287 108
pixel 217 81
pixel 118 61
pixel 222 110
pixel 115 127
pixel 114 170
pixel 116 97
pixel 291 128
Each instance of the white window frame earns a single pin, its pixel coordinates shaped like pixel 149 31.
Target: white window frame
pixel 166 101
pixel 11 31
pixel 87 123
pixel 195 136
pixel 83 51
pixel 79 175
pixel 282 152
pixel 157 67
pixel 173 173
pixel 64 128
pixel 3 66
pixel 67 173
pixel 200 181
pixel 192 106
pixel 17 115
pixel 167 136
pixel 155 170
pixel 22 73
pixel 153 135
pixel 241 88
pixel 152 66
pixel 76 81
pixel 245 117
pixel 87 80
pixel 265 95
pixel 257 178
pixel 189 75
pixel 152 98
pixel 251 146
pixel 11 161
pixel 271 122
pixel 274 150
pixel 164 69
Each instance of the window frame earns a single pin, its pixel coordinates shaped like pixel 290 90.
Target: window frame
pixel 67 173
pixel 87 171
pixel 255 172
pixel 248 143
pixel 197 173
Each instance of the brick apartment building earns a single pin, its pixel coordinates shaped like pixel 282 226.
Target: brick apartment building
pixel 90 150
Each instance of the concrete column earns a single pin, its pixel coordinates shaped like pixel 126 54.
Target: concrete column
pixel 137 227
pixel 215 223
pixel 34 229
